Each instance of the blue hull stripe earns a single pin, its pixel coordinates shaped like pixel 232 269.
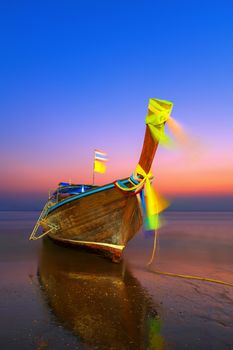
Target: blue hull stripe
pixel 81 195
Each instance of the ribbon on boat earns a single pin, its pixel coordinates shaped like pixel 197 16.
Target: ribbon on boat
pixel 151 205
pixel 158 113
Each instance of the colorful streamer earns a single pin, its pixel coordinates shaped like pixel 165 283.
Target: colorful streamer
pixel 153 203
pixel 158 113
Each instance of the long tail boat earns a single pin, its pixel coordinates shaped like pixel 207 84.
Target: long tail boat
pixel 106 217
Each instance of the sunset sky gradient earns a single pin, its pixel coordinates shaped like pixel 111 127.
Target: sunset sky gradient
pixel 77 75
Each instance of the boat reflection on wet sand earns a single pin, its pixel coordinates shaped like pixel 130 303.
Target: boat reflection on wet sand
pixel 102 303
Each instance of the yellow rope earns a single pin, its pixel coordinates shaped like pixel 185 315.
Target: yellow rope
pixel 144 181
pixel 192 277
pixel 154 248
pixel 170 274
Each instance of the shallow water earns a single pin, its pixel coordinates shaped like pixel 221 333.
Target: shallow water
pixel 54 297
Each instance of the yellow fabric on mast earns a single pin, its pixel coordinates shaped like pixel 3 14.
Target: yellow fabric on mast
pixel 158 113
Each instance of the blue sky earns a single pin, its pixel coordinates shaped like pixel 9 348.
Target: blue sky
pixel 76 75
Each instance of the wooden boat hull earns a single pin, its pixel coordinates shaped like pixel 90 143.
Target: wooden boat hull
pixel 104 220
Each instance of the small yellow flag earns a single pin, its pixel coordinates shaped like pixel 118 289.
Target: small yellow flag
pixel 99 167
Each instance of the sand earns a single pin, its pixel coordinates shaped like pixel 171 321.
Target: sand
pixel 53 297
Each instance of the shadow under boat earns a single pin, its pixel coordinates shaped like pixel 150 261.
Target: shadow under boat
pixel 102 303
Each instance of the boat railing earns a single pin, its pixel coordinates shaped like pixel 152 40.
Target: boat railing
pixel 42 216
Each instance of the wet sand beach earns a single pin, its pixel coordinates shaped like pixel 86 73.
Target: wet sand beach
pixel 55 297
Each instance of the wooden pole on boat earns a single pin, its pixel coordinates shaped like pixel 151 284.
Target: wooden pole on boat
pixel 93 180
pixel 148 150
pixel 158 113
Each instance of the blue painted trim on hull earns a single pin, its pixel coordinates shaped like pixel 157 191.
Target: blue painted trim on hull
pixel 81 195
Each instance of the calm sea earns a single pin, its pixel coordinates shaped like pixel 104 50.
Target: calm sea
pixel 54 297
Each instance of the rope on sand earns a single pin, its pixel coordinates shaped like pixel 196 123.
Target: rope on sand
pixel 170 274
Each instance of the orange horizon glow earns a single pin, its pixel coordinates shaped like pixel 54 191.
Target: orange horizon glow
pixel 169 181
pixel 194 171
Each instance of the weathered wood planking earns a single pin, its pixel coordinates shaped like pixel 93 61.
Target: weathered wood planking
pixel 106 218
